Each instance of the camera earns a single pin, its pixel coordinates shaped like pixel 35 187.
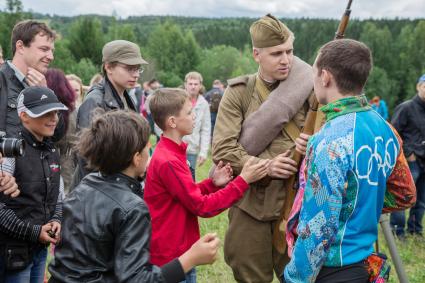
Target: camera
pixel 11 147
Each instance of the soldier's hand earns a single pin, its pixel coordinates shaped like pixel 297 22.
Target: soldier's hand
pixel 35 78
pixel 282 166
pixel 8 185
pixel 301 143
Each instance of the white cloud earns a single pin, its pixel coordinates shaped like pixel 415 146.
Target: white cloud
pixel 227 8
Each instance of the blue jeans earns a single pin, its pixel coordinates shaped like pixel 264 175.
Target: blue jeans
pixel 414 223
pixel 190 276
pixel 192 158
pixel 34 273
pixel 213 118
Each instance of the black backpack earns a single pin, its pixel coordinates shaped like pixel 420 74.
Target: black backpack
pixel 215 101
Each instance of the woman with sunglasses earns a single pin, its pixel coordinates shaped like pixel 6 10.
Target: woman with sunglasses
pixel 121 68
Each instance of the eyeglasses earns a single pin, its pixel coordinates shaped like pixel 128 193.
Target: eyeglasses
pixel 132 69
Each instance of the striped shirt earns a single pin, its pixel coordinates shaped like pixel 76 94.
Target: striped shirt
pixel 12 225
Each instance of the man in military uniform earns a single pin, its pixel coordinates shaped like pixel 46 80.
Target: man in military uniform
pixel 261 115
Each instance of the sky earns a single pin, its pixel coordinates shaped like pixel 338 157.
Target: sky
pixel 361 9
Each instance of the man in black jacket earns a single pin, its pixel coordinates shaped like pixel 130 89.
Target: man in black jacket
pixel 32 49
pixel 409 121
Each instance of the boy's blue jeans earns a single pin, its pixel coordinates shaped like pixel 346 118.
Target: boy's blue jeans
pixel 190 276
pixel 192 158
pixel 414 223
pixel 34 273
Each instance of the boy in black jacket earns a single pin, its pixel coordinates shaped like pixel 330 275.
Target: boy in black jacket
pixel 30 222
pixel 106 227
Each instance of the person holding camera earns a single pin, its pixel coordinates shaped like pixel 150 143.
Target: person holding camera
pixel 29 223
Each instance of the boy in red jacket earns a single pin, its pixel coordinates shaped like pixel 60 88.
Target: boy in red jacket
pixel 175 201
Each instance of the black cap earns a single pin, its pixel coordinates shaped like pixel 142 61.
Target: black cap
pixel 37 101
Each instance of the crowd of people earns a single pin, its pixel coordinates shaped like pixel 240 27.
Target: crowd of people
pixel 117 210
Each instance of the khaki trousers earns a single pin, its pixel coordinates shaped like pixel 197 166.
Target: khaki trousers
pixel 249 251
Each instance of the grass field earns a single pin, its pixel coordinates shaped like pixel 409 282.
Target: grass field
pixel 412 251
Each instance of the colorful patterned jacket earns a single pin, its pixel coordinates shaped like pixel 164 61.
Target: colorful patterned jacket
pixel 352 164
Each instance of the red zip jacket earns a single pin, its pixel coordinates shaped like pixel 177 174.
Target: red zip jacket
pixel 175 201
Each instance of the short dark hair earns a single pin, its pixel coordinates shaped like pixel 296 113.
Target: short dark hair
pixel 112 139
pixel 167 102
pixel 349 61
pixel 27 30
pixel 152 81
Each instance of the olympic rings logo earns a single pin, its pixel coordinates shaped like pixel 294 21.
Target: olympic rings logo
pixel 375 160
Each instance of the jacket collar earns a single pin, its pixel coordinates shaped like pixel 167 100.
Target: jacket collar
pixel 11 75
pixel 130 182
pixel 419 101
pixel 345 105
pixel 31 140
pixel 112 98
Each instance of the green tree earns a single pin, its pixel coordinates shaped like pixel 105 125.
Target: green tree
pixel 120 31
pixel 245 63
pixel 86 39
pixel 85 69
pixel 380 42
pixel 173 52
pixel 64 59
pixel 13 14
pixel 219 62
pixel 380 84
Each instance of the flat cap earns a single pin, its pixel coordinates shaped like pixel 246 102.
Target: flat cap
pixel 268 31
pixel 122 51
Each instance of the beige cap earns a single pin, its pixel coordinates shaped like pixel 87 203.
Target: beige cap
pixel 268 31
pixel 122 51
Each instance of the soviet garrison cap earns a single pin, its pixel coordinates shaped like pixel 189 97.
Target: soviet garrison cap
pixel 122 51
pixel 268 31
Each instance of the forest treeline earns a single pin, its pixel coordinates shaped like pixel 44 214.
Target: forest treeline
pixel 220 48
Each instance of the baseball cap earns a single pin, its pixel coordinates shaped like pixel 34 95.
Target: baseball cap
pixel 122 51
pixel 421 79
pixel 37 101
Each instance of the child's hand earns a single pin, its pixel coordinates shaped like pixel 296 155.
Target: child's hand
pixel 56 230
pixel 8 185
pixel 204 251
pixel 222 174
pixel 252 171
pixel 44 236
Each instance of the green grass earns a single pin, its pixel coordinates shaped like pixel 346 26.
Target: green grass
pixel 412 252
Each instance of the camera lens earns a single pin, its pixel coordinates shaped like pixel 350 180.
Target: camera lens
pixel 10 147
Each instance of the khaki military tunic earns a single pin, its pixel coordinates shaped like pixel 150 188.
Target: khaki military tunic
pixel 265 198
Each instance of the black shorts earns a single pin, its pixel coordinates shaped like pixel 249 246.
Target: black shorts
pixel 353 273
